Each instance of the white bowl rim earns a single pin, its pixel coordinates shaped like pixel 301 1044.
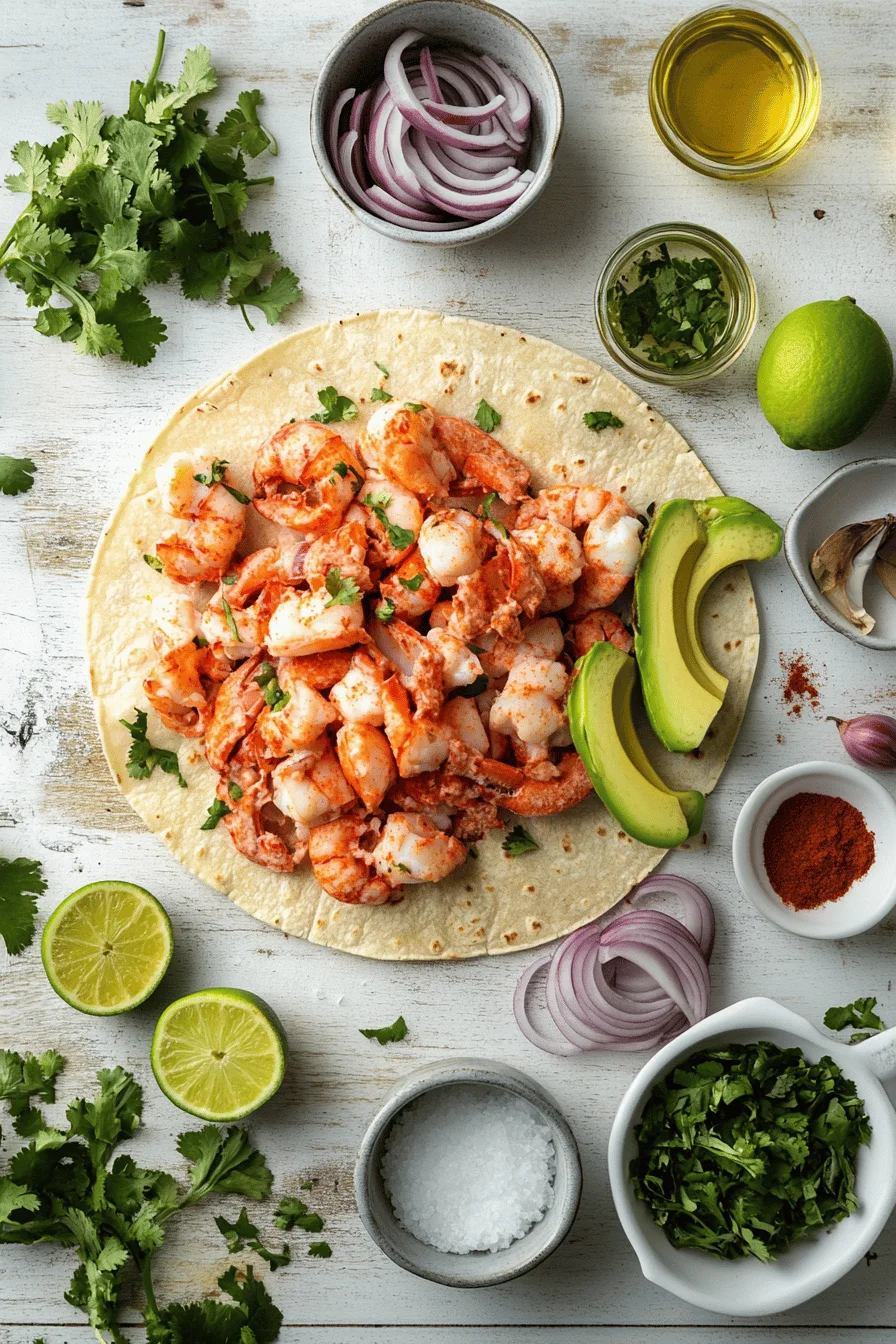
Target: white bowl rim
pixel 743 834
pixel 801 571
pixel 449 237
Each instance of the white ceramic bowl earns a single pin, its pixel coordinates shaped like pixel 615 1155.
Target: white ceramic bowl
pixel 869 899
pixel 479 1269
pixel 746 1287
pixel 357 60
pixel 853 494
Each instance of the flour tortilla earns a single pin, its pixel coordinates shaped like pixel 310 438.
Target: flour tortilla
pixel 494 903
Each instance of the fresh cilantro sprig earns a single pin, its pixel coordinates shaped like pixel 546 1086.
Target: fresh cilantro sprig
pixel 598 420
pixel 518 841
pixel 413 584
pixel 344 592
pixel 117 203
pixel 292 1212
pixel 400 537
pixel 244 1233
pixel 21 882
pixel 16 475
pixel 744 1149
pixel 380 394
pixel 385 1035
pixel 143 757
pixel 486 417
pixel 216 812
pixel 487 504
pixel 335 407
pixel 274 696
pixel 216 476
pixel 677 307
pixel 385 611
pixel 860 1015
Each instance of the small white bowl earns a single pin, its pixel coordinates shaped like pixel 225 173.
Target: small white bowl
pixel 869 899
pixel 852 494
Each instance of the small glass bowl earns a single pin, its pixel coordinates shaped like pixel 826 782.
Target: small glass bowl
pixel 805 67
pixel 740 292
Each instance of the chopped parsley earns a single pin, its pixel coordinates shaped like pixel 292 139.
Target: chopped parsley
pixel 517 842
pixel 217 810
pixel 234 790
pixel 16 474
pixel 413 584
pixel 216 477
pixel 342 469
pixel 275 698
pixel 21 882
pixel 292 1212
pixel 336 408
pixel 676 307
pixel 487 513
pixel 385 611
pixel 397 1032
pixel 598 420
pixel 382 368
pixel 320 1249
pixel 860 1014
pixel 400 537
pixel 380 394
pixel 486 417
pixel 143 757
pixel 265 673
pixel 154 563
pixel 343 592
pixel 229 579
pixel 231 623
pixel 415 406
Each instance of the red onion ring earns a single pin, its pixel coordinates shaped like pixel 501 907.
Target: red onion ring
pixel 631 983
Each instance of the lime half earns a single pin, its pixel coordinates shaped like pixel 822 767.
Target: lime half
pixel 106 947
pixel 219 1054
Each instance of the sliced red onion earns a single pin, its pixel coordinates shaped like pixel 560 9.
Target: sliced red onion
pixel 453 115
pixel 428 72
pixel 333 125
pixel 461 179
pixel 628 984
pixel 412 108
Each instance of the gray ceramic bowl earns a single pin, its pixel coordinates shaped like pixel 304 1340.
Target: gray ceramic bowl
pixel 852 494
pixel 357 60
pixel 479 1269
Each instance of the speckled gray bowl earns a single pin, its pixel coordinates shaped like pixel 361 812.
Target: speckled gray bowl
pixel 357 60
pixel 479 1269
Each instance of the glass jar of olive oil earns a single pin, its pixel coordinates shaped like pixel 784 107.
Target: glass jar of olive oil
pixel 735 92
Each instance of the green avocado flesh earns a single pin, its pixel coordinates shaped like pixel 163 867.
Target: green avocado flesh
pixel 679 705
pixel 735 531
pixel 600 720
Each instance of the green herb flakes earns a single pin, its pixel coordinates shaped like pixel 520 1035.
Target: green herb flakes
pixel 320 1250
pixel 598 420
pixel 416 406
pixel 231 623
pixel 517 842
pixel 486 417
pixel 860 1014
pixel 154 563
pixel 400 537
pixel 217 810
pixel 382 368
pixel 743 1150
pixel 380 394
pixel 143 757
pixel 336 408
pixel 384 1035
pixel 677 309
pixel 385 611
pixel 487 504
pixel 413 584
pixel 234 790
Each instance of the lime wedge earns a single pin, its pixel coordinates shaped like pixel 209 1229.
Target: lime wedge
pixel 219 1054
pixel 106 947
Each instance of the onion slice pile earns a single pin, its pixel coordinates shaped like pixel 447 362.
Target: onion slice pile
pixel 631 984
pixel 439 142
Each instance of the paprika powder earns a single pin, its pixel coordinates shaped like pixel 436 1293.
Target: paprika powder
pixel 815 847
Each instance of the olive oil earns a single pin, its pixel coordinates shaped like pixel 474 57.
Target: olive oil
pixel 735 91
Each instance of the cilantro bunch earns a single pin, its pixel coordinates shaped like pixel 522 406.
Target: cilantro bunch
pixel 679 307
pixel 744 1149
pixel 120 202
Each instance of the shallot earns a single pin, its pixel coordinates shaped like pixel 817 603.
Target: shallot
pixel 439 142
pixel 631 984
pixel 870 740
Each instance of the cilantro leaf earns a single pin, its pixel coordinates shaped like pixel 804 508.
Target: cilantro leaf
pixel 217 810
pixel 143 757
pixel 860 1015
pixel 598 420
pixel 154 563
pixel 224 1160
pixel 293 1212
pixel 413 584
pixel 344 592
pixel 336 407
pixel 517 842
pixel 380 394
pixel 487 513
pixel 282 291
pixel 486 417
pixel 382 368
pixel 234 790
pixel 384 1035
pixel 16 475
pixel 385 611
pixel 320 1249
pixel 24 1077
pixel 21 882
pixel 241 128
pixel 400 537
pixel 140 332
pixel 231 623
pixel 416 406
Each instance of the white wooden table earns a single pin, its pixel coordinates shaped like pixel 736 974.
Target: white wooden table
pixel 86 422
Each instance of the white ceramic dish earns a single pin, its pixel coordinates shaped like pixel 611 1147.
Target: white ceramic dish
pixel 478 1269
pixel 852 494
pixel 747 1287
pixel 869 899
pixel 357 60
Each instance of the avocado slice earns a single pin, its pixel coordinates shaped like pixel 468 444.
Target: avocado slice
pixel 679 705
pixel 735 531
pixel 600 721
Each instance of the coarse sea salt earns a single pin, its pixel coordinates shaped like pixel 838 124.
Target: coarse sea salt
pixel 469 1168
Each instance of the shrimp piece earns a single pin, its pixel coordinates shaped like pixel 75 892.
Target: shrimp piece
pixel 399 443
pixel 176 621
pixel 419 744
pixel 452 545
pixel 461 665
pixel 571 506
pixel 367 762
pixel 529 706
pixel 245 630
pixel 216 519
pixel 358 695
pixel 556 551
pixel 257 828
pixel 310 788
pixel 495 596
pixel 612 546
pixel 440 615
pixel 238 704
pixel 410 589
pixel 304 623
pixel 320 671
pixel 594 629
pixel 307 477
pixel 302 719
pixel 342 861
pixel 483 463
pixel 345 550
pixel 461 718
pixel 511 788
pixel 420 664
pixel 177 690
pixel 411 848
pixel 387 512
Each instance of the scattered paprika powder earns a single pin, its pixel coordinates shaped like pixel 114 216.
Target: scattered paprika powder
pixel 798 687
pixel 815 848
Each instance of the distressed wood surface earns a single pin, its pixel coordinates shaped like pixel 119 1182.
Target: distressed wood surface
pixel 86 422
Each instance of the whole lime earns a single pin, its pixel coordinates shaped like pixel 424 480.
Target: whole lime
pixel 824 374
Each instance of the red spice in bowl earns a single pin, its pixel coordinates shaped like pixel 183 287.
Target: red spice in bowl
pixel 815 847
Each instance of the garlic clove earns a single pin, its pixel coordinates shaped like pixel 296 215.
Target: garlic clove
pixel 841 565
pixel 885 565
